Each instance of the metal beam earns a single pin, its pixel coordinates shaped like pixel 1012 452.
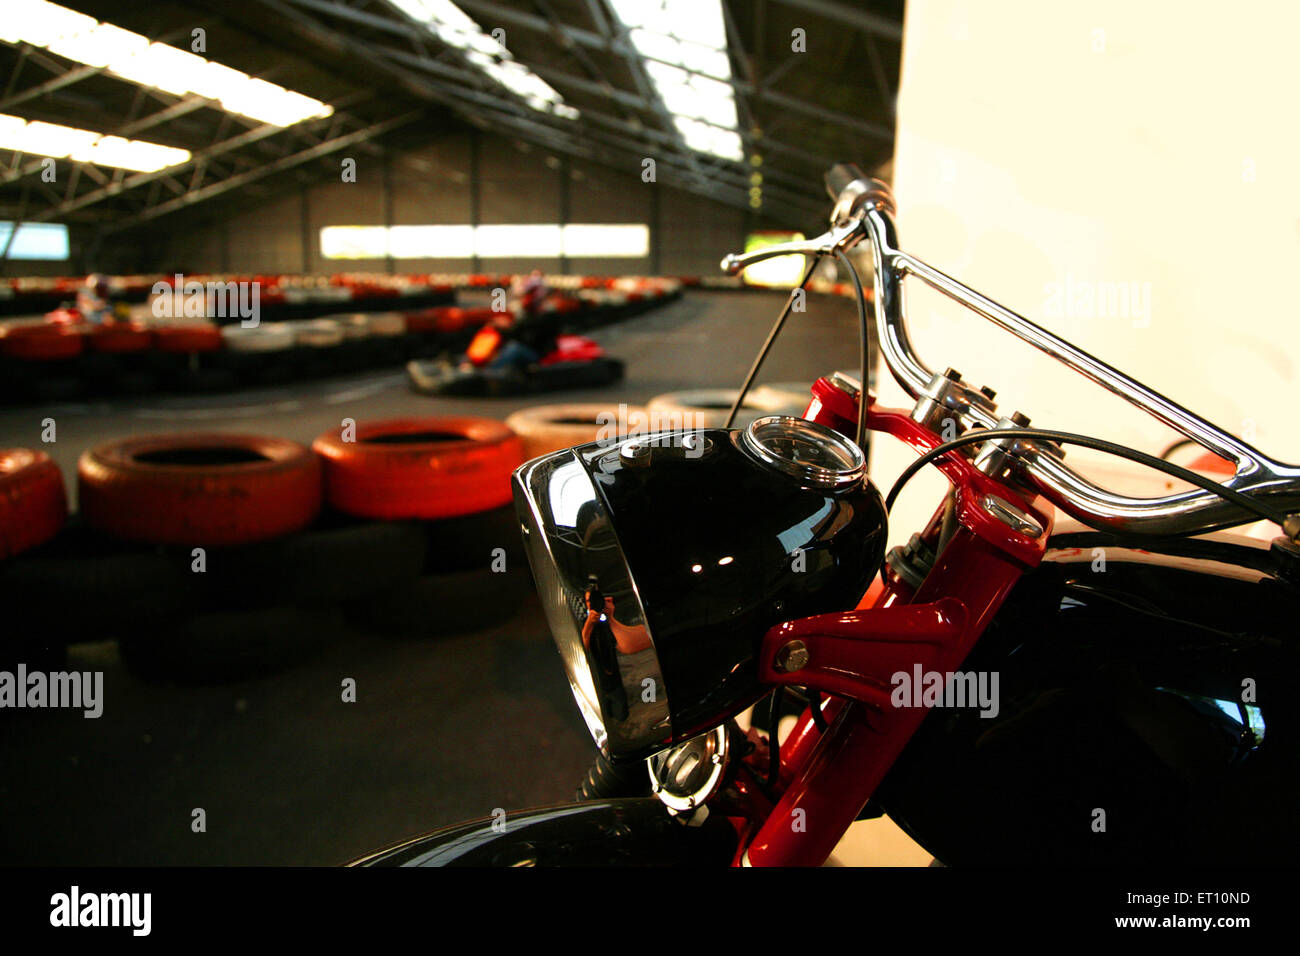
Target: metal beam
pixel 75 75
pixel 141 179
pixel 467 95
pixel 455 95
pixel 662 139
pixel 252 175
pixel 587 38
pixel 692 164
pixel 854 17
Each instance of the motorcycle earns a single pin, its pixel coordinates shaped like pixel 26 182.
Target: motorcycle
pixel 1048 672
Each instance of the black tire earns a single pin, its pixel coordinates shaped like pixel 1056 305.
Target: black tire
pixel 227 645
pixel 78 589
pixel 329 564
pixel 442 605
pixel 468 542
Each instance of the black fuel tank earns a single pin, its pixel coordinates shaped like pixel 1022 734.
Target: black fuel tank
pixel 1148 713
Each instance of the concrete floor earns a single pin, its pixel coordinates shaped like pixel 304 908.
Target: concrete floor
pixel 442 729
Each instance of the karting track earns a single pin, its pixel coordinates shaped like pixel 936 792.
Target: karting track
pixel 443 729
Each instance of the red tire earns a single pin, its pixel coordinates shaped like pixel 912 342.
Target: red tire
pixel 208 489
pixel 33 505
pixel 420 467
pixel 443 318
pixel 42 343
pixel 477 318
pixel 120 338
pixel 187 338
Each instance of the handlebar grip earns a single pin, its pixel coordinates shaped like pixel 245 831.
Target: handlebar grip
pixel 839 176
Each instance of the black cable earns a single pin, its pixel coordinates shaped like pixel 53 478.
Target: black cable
pixel 1244 502
pixel 863 349
pixel 1181 443
pixel 773 738
pixel 771 338
pixel 815 702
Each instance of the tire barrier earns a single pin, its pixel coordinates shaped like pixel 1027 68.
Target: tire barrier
pixel 443 319
pixel 33 504
pixel 192 337
pixel 42 343
pixel 419 467
pixel 385 324
pixel 547 428
pixel 337 559
pixel 280 576
pixel 223 644
pixel 785 394
pixel 120 338
pixel 708 407
pixel 316 333
pixel 83 587
pixel 64 358
pixel 442 605
pixel 268 337
pixel 207 489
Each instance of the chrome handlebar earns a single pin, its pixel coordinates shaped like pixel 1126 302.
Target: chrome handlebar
pixel 864 209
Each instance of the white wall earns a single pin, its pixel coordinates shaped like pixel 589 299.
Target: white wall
pixel 1112 142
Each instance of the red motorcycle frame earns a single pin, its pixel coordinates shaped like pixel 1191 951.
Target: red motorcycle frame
pixel 827 777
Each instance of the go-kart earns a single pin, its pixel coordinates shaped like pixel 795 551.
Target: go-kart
pixel 575 362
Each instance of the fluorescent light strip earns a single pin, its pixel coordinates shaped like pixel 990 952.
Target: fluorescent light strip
pixel 131 56
pixel 591 240
pixel 83 145
pixel 451 25
pixel 677 36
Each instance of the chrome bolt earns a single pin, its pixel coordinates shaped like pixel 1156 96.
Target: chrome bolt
pixel 792 657
pixel 1011 516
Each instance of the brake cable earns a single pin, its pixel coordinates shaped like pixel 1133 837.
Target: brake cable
pixel 771 338
pixel 1245 502
pixel 863 346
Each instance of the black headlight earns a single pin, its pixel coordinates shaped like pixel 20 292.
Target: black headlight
pixel 687 549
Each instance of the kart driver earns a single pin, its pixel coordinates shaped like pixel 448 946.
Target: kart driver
pixel 526 339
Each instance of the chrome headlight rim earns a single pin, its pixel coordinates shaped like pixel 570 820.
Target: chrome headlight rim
pixel 646 727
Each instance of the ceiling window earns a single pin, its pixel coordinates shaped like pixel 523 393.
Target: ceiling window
pixel 452 26
pixel 684 46
pixel 83 145
pixel 133 57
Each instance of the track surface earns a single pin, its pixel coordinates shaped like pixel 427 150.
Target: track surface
pixel 442 730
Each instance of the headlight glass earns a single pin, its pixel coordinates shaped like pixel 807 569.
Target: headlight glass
pixel 811 453
pixel 579 568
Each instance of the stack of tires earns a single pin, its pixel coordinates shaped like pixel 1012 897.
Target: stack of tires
pixel 709 407
pixel 450 479
pixel 217 557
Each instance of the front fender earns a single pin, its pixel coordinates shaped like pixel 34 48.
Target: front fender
pixel 631 832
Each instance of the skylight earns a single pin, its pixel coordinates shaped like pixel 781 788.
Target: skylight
pixel 685 46
pixel 132 57
pixel 456 29
pixel 83 145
